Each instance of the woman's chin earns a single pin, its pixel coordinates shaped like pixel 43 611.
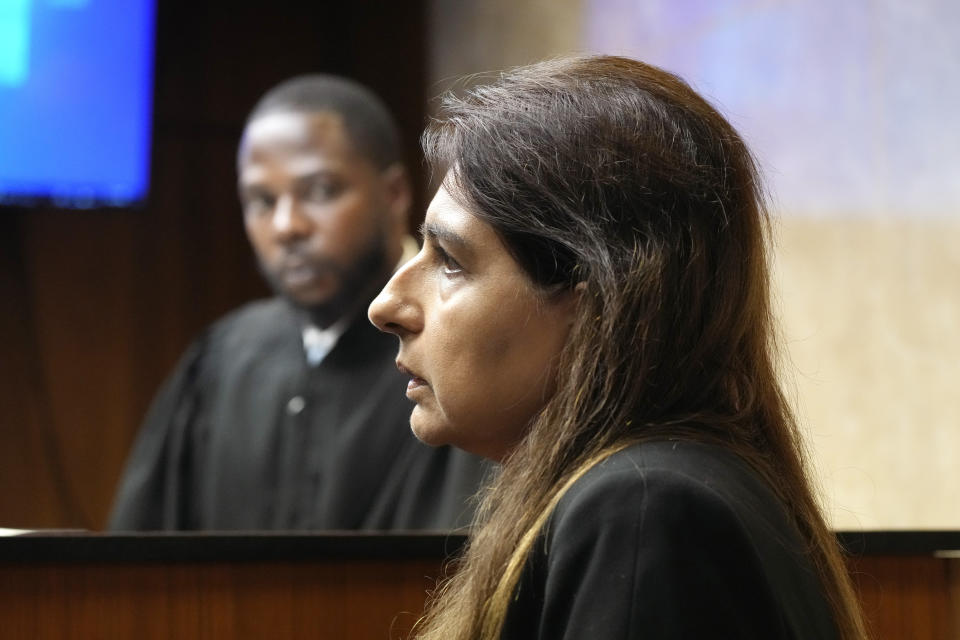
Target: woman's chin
pixel 426 429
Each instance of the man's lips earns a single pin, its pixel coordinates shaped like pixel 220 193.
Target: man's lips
pixel 292 268
pixel 298 273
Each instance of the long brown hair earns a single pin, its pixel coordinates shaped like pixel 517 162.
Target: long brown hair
pixel 615 177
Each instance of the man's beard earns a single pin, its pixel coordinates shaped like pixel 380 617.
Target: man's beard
pixel 357 284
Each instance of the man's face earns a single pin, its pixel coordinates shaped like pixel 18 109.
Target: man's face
pixel 323 220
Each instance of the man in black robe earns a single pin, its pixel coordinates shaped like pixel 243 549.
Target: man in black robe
pixel 289 413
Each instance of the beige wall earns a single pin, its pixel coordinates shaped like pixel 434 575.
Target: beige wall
pixel 870 310
pixel 475 36
pixel 871 317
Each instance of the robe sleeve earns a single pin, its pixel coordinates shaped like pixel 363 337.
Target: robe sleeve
pixel 652 556
pixel 153 493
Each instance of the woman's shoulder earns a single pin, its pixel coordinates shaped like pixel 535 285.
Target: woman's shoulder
pixel 677 493
pixel 668 469
pixel 692 538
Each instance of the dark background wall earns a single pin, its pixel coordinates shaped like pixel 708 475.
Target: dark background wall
pixel 98 305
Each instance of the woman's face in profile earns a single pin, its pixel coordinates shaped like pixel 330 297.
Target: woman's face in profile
pixel 477 338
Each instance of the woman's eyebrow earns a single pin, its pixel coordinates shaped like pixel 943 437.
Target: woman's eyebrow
pixel 446 236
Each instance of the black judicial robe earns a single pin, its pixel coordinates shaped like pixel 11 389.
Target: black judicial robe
pixel 245 435
pixel 669 540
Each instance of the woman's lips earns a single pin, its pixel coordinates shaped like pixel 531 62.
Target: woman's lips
pixel 415 382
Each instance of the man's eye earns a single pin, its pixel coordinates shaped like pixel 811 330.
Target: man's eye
pixel 258 203
pixel 323 191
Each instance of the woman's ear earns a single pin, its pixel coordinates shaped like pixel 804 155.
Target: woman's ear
pixel 567 301
pixel 577 293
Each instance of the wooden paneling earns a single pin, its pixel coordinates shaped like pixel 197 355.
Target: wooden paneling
pixel 953 571
pixel 904 598
pixel 907 597
pixel 356 600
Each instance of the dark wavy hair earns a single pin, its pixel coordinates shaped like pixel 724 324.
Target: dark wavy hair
pixel 614 177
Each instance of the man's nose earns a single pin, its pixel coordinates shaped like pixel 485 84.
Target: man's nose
pixel 396 310
pixel 288 221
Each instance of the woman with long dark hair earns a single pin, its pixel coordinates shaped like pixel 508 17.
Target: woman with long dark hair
pixel 591 308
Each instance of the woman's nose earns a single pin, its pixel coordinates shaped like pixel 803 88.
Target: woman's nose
pixel 396 309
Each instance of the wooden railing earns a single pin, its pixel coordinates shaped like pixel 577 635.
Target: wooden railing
pixel 350 586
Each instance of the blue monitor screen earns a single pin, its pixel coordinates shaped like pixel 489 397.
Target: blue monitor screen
pixel 76 93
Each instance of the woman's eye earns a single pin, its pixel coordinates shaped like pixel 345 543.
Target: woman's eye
pixel 450 266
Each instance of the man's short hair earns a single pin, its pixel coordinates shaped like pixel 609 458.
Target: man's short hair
pixel 368 122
